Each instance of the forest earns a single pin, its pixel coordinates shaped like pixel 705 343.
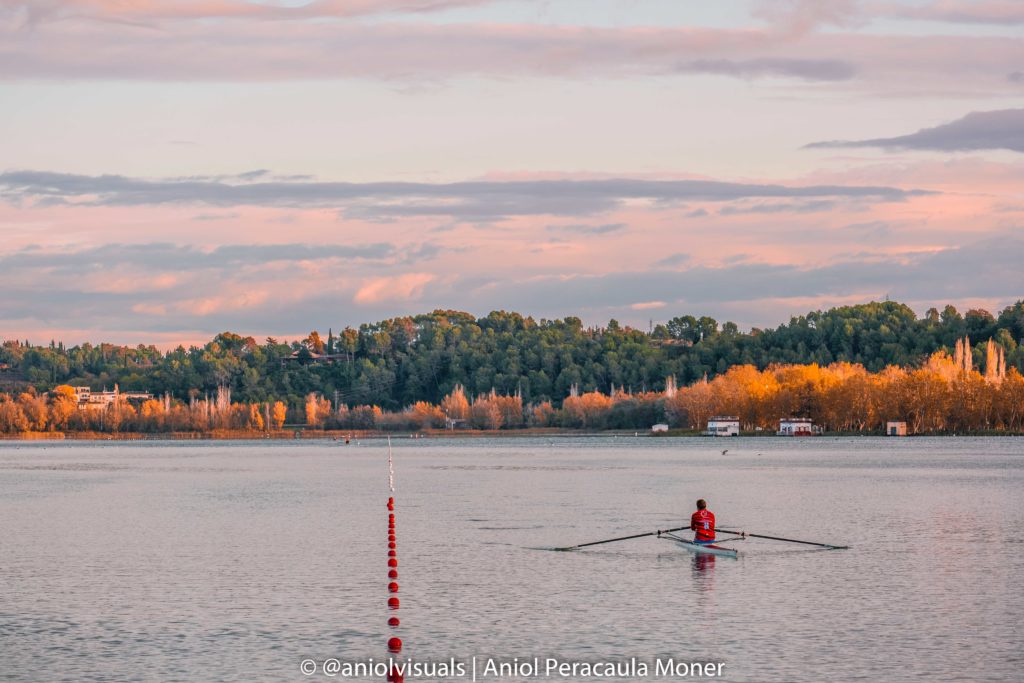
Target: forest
pixel 850 368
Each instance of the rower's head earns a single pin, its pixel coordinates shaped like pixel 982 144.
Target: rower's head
pixel 702 504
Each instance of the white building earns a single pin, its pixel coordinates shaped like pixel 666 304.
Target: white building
pixel 723 425
pixel 797 426
pixel 87 398
pixel 894 428
pixel 660 427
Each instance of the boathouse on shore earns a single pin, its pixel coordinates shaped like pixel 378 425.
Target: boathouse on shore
pixel 723 425
pixel 894 428
pixel 797 426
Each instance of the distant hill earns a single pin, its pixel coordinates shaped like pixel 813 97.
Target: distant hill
pixel 396 362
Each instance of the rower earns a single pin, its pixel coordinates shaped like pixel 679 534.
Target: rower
pixel 702 522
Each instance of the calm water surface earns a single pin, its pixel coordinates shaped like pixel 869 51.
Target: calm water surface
pixel 236 561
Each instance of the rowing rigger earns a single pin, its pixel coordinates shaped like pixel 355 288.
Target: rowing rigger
pixel 827 546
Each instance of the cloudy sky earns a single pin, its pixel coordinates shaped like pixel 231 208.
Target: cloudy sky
pixel 170 169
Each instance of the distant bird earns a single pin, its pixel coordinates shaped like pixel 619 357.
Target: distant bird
pixel 725 451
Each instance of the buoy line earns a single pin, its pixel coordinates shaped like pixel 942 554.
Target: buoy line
pixel 394 642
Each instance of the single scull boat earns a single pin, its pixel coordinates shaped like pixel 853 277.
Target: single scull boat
pixel 701 548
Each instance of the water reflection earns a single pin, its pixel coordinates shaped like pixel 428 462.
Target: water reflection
pixel 703 563
pixel 704 571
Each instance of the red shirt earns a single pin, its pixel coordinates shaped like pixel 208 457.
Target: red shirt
pixel 703 522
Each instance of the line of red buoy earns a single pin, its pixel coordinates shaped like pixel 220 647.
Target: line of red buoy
pixel 394 642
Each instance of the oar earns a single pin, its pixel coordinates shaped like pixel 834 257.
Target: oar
pixel 787 540
pixel 622 538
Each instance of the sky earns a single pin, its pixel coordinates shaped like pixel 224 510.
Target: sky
pixel 172 169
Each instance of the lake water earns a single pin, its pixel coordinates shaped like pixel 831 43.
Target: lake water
pixel 236 561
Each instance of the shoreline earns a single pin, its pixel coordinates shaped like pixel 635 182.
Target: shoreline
pixel 297 433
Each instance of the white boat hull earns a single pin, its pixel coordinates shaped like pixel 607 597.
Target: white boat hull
pixel 700 549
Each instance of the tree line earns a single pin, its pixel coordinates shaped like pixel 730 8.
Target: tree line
pixel 946 394
pixel 381 374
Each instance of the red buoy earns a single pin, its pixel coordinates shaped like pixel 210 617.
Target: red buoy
pixel 393 562
pixel 393 603
pixel 393 587
pixel 391 538
pixel 393 622
pixel 392 573
pixel 391 553
pixel 391 517
pixel 395 644
pixel 391 545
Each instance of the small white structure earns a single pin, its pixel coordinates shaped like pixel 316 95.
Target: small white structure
pixel 101 399
pixel 660 427
pixel 723 425
pixel 797 426
pixel 894 428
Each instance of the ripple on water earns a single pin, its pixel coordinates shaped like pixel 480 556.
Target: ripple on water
pixel 233 562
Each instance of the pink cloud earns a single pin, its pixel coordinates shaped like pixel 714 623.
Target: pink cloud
pixel 124 283
pixel 150 11
pixel 272 51
pixel 222 302
pixel 524 244
pixel 150 309
pixel 959 174
pixel 648 305
pixel 798 17
pixel 958 11
pixel 401 287
pixel 802 16
pixel 282 291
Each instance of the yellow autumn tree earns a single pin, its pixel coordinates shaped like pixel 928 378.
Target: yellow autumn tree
pixel 511 409
pixel 693 405
pixel 589 410
pixel 318 409
pixel 926 398
pixel 542 414
pixel 1010 401
pixel 35 411
pixel 847 403
pixel 63 404
pixel 151 414
pixel 455 405
pixel 278 414
pixel 255 418
pixel 425 415
pixel 484 412
pixel 12 417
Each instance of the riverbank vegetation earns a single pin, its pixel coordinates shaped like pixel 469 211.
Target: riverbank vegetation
pixel 850 369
